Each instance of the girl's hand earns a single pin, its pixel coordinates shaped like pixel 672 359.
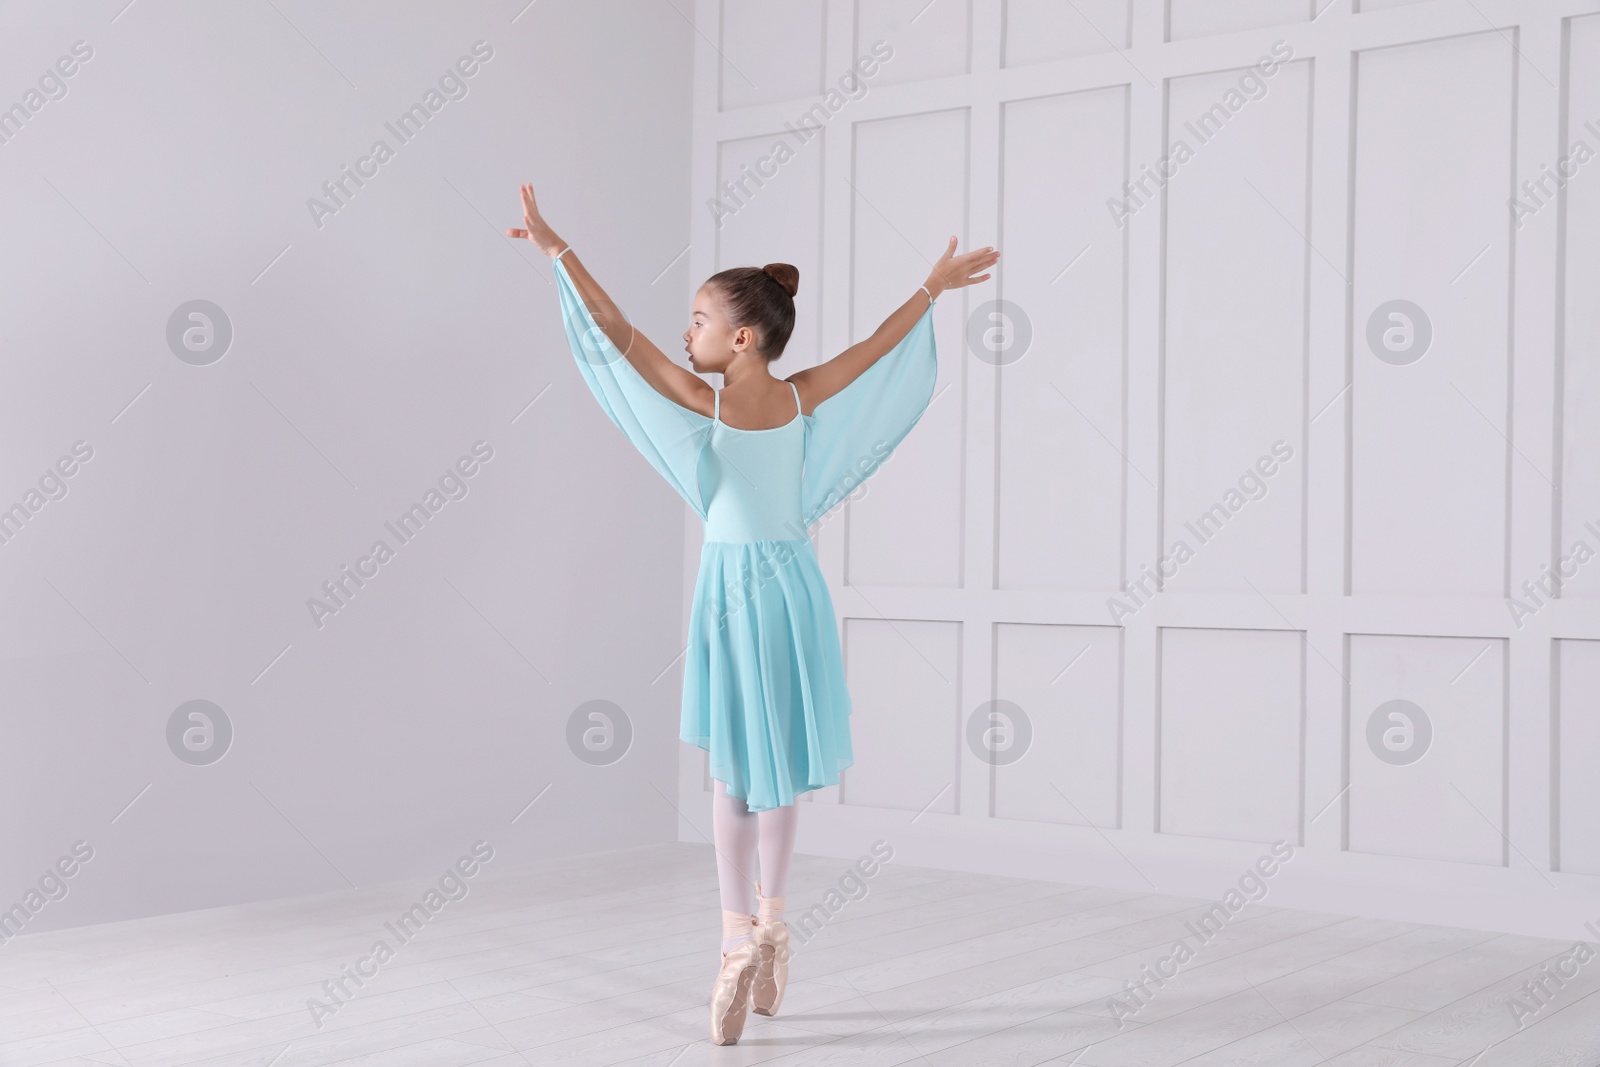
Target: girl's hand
pixel 957 272
pixel 536 229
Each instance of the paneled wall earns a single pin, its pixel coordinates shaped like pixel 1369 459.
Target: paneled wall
pixel 1245 531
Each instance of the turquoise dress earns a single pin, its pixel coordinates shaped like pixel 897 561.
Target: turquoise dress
pixel 763 687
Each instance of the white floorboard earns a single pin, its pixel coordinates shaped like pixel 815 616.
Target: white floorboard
pixel 609 958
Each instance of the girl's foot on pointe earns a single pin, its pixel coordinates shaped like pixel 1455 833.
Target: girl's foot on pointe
pixel 772 972
pixel 730 994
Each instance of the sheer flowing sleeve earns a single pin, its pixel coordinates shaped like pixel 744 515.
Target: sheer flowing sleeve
pixel 672 437
pixel 850 434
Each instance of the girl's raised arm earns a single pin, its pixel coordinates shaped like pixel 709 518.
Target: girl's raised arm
pixel 824 380
pixel 678 384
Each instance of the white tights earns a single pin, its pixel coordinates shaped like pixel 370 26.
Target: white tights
pixel 741 835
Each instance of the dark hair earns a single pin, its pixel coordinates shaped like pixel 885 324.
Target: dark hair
pixel 761 298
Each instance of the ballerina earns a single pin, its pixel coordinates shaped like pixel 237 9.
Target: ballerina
pixel 763 689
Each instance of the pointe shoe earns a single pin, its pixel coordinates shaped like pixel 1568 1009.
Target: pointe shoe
pixel 772 973
pixel 730 996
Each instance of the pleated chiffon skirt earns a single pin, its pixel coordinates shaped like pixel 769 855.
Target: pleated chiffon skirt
pixel 764 688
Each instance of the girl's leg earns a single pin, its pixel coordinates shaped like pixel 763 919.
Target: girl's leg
pixel 776 849
pixel 735 833
pixel 772 933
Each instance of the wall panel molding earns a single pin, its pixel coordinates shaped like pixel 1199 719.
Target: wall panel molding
pixel 1401 553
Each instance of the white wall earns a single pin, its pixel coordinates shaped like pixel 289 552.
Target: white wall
pixel 368 354
pixel 1176 343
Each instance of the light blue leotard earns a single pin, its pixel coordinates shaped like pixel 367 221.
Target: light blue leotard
pixel 763 688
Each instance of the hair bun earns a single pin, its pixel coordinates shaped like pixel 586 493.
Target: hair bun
pixel 786 275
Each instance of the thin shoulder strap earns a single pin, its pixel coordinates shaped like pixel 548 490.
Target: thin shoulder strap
pixel 798 409
pixel 716 404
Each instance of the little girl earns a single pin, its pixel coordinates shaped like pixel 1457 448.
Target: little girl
pixel 763 689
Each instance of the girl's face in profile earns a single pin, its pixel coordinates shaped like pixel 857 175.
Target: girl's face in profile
pixel 711 340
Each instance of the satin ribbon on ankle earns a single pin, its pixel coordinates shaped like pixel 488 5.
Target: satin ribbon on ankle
pixel 736 924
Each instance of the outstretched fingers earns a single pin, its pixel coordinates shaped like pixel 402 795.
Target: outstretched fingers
pixel 530 214
pixel 960 271
pixel 982 259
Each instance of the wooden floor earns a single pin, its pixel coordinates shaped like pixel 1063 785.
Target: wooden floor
pixel 609 958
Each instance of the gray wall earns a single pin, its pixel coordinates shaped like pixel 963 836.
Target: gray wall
pixel 371 349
